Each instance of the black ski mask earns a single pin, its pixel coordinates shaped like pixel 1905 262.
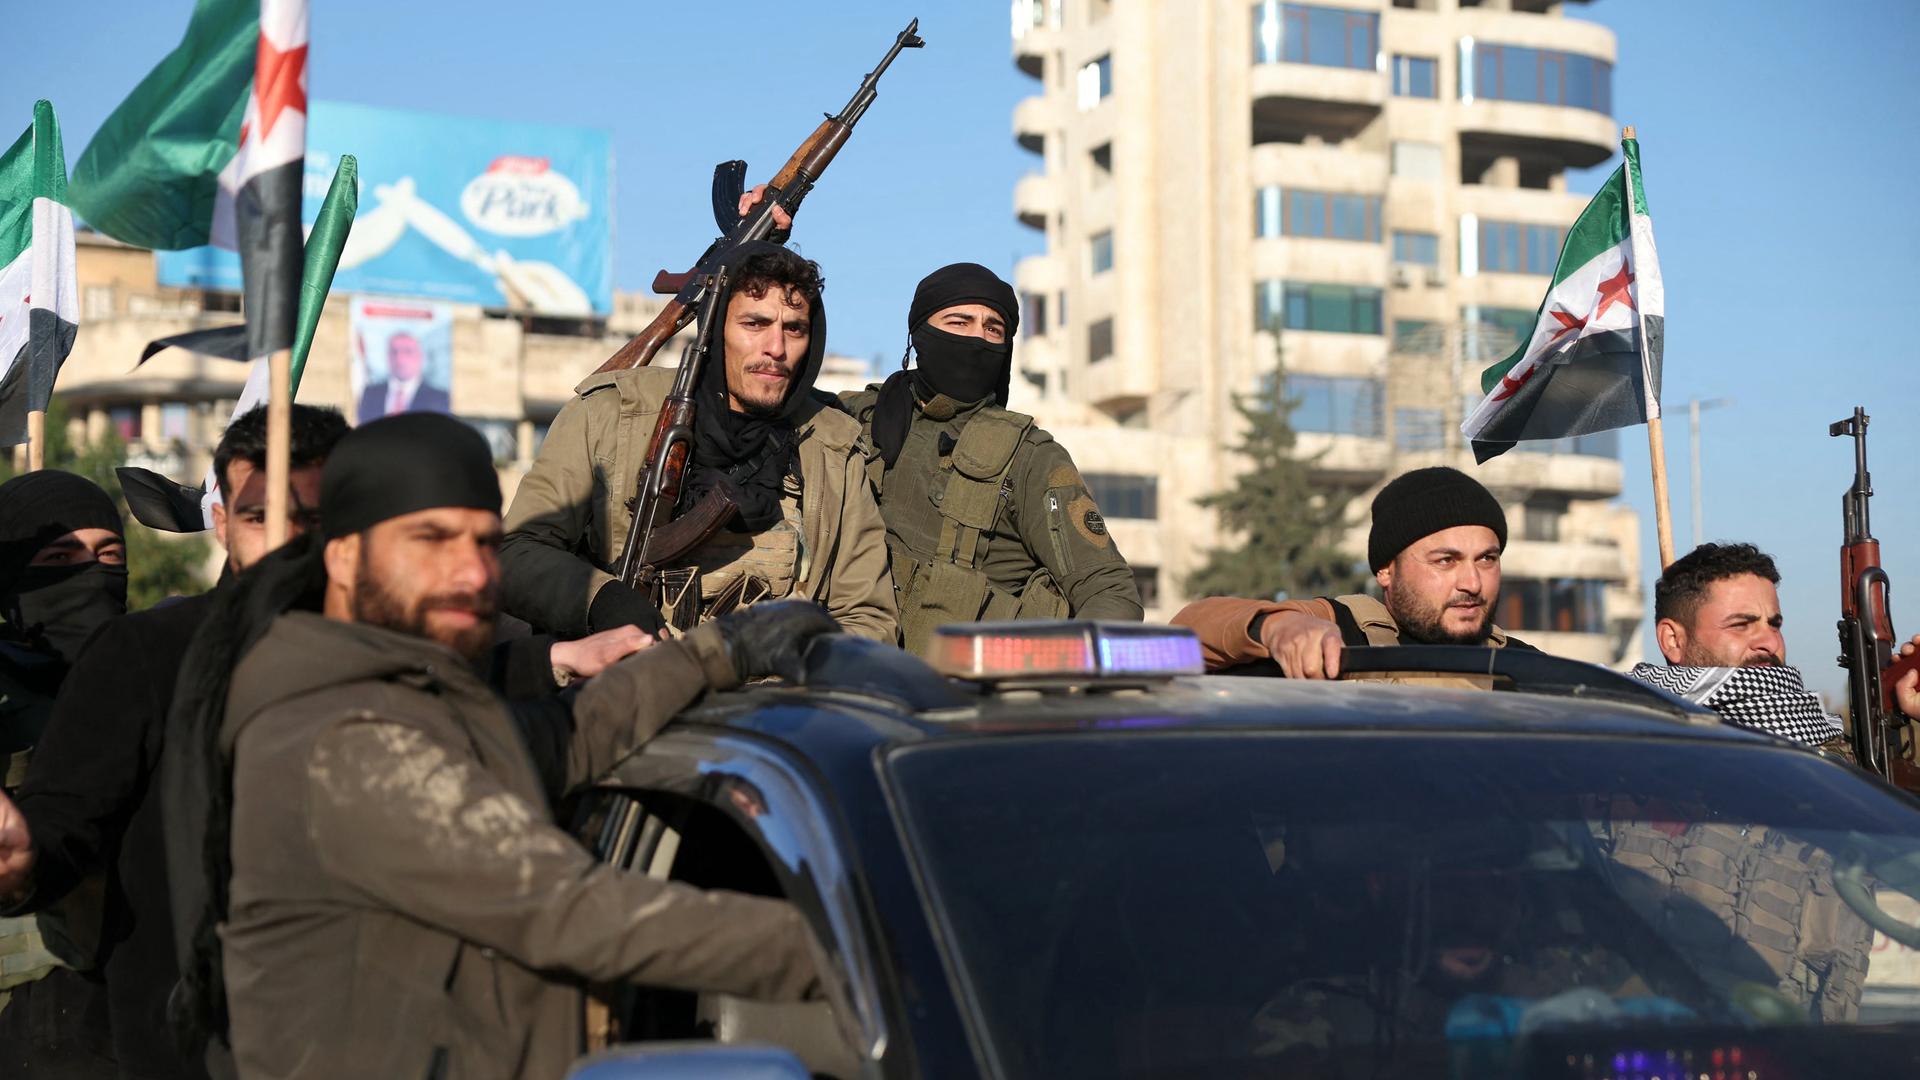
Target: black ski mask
pixel 55 608
pixel 968 370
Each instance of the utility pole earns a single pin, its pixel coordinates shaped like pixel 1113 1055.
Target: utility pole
pixel 1695 407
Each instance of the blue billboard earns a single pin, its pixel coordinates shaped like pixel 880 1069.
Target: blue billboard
pixel 481 212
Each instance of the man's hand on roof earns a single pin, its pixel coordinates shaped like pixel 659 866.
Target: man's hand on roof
pixel 593 654
pixel 1303 646
pixel 16 851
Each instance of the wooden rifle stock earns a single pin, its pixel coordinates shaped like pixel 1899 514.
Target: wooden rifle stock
pixel 1868 647
pixel 813 156
pixel 640 349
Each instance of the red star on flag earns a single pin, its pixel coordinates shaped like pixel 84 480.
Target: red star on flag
pixel 1569 324
pixel 279 82
pixel 1510 386
pixel 1614 289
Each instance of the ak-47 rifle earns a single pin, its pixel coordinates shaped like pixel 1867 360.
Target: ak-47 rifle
pixel 1867 641
pixel 787 188
pixel 656 535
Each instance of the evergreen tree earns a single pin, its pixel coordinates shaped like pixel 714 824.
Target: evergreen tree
pixel 1288 525
pixel 158 565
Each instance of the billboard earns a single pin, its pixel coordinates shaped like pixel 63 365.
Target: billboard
pixel 502 215
pixel 402 357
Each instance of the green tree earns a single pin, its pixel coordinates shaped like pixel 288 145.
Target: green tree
pixel 159 565
pixel 1289 526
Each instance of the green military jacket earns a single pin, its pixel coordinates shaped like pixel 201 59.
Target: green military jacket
pixel 1042 546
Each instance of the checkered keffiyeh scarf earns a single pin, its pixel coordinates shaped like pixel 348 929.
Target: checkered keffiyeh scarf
pixel 1769 699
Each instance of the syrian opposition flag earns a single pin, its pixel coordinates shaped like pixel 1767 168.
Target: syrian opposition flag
pixel 1593 362
pixel 38 315
pixel 210 149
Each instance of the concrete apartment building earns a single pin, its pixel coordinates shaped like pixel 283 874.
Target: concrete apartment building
pixel 511 373
pixel 1370 195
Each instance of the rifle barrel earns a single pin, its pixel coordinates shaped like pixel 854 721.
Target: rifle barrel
pixel 870 86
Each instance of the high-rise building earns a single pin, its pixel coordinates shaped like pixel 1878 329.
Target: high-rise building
pixel 1367 197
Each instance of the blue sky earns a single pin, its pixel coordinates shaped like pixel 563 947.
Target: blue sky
pixel 1778 139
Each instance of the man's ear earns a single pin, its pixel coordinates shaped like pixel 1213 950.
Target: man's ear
pixel 1672 639
pixel 220 521
pixel 342 558
pixel 1384 576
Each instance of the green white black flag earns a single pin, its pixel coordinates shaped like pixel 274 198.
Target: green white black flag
pixel 1593 360
pixel 38 313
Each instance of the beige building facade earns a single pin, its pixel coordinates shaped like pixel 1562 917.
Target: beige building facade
pixel 1366 195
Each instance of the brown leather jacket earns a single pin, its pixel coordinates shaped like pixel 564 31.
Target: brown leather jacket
pixel 402 903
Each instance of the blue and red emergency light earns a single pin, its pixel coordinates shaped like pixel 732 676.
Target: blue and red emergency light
pixel 1066 651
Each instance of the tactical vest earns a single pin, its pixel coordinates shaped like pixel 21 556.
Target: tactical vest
pixel 733 570
pixel 949 584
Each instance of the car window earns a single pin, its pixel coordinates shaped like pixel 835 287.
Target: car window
pixel 1227 904
pixel 678 838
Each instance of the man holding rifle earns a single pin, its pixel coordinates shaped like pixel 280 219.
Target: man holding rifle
pixel 805 524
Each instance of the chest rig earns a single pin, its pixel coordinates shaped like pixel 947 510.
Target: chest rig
pixel 734 570
pixel 968 487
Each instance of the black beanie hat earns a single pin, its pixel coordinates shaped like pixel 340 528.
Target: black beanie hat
pixel 1424 502
pixel 401 464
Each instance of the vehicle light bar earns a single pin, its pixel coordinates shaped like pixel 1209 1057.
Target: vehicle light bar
pixel 1072 651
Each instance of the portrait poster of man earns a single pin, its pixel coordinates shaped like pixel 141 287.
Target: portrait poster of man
pixel 402 357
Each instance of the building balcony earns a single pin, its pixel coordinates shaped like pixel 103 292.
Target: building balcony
pixel 1555 134
pixel 1036 32
pixel 1317 168
pixel 1579 476
pixel 1292 101
pixel 1345 459
pixel 1036 198
pixel 1033 118
pixel 1045 273
pixel 1556 559
pixel 1331 262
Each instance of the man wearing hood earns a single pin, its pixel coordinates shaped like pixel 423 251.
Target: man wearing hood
pixel 367 875
pixel 806 527
pixel 987 517
pixel 63 573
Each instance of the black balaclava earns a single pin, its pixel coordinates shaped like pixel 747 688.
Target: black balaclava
pixel 745 454
pixel 54 609
pixel 967 370
pixel 381 470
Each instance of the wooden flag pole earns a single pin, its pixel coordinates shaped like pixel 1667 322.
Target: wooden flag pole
pixel 1657 451
pixel 279 440
pixel 36 440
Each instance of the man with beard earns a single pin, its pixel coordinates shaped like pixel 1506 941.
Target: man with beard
pixel 89 815
pixel 806 524
pixel 987 517
pixel 386 892
pixel 1717 620
pixel 1434 547
pixel 63 573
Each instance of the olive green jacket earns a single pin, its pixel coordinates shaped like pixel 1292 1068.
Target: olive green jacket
pixel 1047 516
pixel 569 519
pixel 402 903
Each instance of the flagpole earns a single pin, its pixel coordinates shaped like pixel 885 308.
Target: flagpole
pixel 1656 440
pixel 279 439
pixel 36 440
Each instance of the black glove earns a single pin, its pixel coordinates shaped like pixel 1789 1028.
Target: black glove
pixel 771 639
pixel 617 604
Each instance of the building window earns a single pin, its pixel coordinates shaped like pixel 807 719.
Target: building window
pixel 1511 247
pixel 1541 76
pixel 125 420
pixel 1493 332
pixel 1096 82
pixel 1419 429
pixel 1333 405
pixel 1102 158
pixel 1124 495
pixel 1100 252
pixel 1146 580
pixel 1416 248
pixel 1556 605
pixel 1415 76
pixel 1099 341
pixel 176 421
pixel 1328 37
pixel 1317 214
pixel 1417 336
pixel 1033 318
pixel 98 303
pixel 501 435
pixel 1034 15
pixel 1339 309
pixel 1604 444
pixel 1540 522
pixel 1417 161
